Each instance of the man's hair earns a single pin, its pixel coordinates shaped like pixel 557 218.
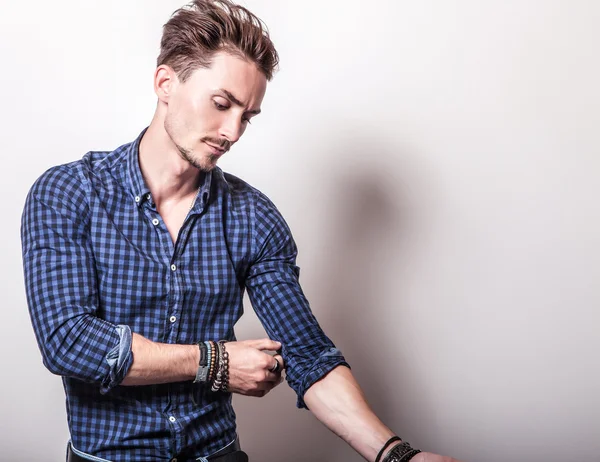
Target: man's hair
pixel 197 31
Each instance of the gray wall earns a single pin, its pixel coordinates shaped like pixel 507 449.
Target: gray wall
pixel 438 163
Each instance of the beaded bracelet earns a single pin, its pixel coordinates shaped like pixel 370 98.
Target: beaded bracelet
pixel 218 382
pixel 213 359
pixel 209 360
pixel 225 364
pixel 221 382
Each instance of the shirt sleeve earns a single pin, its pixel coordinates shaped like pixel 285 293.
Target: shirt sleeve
pixel 61 287
pixel 279 302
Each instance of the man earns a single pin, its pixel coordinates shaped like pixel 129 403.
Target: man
pixel 136 262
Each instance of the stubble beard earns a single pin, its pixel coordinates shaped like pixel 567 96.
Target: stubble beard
pixel 205 164
pixel 209 161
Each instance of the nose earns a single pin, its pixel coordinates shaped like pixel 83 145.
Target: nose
pixel 231 129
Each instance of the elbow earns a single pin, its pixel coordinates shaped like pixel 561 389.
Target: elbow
pixel 53 367
pixel 55 360
pixel 305 373
pixel 87 349
pixel 65 358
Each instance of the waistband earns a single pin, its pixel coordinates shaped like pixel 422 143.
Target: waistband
pixel 74 455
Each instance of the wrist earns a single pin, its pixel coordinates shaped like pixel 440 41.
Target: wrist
pixel 400 452
pixel 387 447
pixel 192 362
pixel 396 450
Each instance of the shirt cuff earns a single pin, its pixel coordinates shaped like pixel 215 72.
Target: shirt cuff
pixel 119 360
pixel 327 361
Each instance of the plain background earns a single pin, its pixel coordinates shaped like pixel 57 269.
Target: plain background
pixel 438 163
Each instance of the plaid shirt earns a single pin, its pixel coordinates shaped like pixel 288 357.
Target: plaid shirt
pixel 100 264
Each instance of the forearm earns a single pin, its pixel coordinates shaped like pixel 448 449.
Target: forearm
pixel 338 402
pixel 155 363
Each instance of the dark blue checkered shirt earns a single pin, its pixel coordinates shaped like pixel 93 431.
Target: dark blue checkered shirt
pixel 100 264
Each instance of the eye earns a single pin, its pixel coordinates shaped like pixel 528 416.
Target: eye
pixel 246 120
pixel 221 103
pixel 220 107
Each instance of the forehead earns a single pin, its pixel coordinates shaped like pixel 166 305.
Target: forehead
pixel 240 77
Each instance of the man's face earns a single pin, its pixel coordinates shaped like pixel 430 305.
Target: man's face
pixel 210 111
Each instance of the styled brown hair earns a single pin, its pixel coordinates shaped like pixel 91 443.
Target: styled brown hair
pixel 197 31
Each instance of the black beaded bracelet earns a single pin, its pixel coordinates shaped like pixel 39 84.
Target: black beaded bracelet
pixel 225 362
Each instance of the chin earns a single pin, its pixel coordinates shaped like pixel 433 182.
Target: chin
pixel 204 163
pixel 207 168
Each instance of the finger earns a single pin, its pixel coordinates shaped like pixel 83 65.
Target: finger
pixel 278 380
pixel 273 377
pixel 265 386
pixel 279 359
pixel 256 393
pixel 273 365
pixel 260 389
pixel 264 344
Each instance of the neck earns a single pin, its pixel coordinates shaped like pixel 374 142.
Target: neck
pixel 169 177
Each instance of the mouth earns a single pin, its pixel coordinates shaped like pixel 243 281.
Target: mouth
pixel 216 150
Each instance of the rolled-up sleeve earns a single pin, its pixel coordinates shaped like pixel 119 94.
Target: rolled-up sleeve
pixel 279 302
pixel 61 286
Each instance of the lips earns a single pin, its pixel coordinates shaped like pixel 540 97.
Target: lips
pixel 216 150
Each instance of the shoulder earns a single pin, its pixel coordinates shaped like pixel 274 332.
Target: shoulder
pixel 242 192
pixel 61 182
pixel 70 182
pixel 232 185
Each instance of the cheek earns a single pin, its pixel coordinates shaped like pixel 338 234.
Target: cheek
pixel 191 114
pixel 204 118
pixel 192 119
pixel 185 110
pixel 178 116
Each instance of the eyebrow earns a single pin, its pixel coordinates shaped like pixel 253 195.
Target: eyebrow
pixel 238 102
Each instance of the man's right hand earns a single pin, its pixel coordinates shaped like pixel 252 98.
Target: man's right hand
pixel 250 367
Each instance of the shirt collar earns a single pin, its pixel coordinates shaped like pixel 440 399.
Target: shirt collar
pixel 136 180
pixel 139 188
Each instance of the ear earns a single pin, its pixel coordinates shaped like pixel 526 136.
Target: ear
pixel 165 81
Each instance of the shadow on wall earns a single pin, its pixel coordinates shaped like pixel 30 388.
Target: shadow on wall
pixel 375 222
pixel 368 229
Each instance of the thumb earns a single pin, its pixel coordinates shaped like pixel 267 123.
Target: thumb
pixel 265 344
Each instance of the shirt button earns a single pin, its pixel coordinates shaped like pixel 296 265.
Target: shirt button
pixel 148 196
pixel 172 419
pixel 137 198
pixel 172 319
pixel 173 267
pixel 174 460
pixel 155 222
